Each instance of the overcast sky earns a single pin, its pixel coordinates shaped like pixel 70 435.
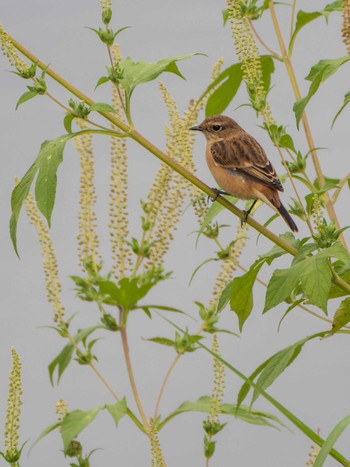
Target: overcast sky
pixel 315 387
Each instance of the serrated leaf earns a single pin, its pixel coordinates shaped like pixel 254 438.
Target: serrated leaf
pixel 102 107
pixel 127 293
pixel 25 97
pixel 341 316
pixel 117 410
pixel 75 422
pixel 137 73
pixel 312 274
pixel 267 68
pixel 241 300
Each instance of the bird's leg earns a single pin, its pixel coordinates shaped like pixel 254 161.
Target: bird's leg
pixel 246 213
pixel 217 193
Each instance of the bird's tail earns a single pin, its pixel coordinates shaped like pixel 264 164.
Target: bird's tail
pixel 287 217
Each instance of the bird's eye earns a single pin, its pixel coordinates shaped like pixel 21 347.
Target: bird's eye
pixel 217 127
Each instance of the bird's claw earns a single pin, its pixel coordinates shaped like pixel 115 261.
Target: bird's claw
pixel 217 193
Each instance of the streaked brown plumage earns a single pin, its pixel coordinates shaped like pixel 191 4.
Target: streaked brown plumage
pixel 239 164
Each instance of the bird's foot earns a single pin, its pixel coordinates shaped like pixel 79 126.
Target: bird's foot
pixel 245 218
pixel 217 193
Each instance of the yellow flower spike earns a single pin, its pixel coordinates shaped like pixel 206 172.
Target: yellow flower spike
pixel 248 54
pixel 156 452
pixel 88 241
pixel 345 31
pixel 229 264
pixel 218 386
pixel 118 192
pixel 9 50
pixel 13 411
pixel 53 284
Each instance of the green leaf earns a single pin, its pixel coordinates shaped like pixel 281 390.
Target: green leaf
pixel 75 422
pixel 267 67
pixel 65 356
pixel 204 405
pixel 341 316
pixel 330 67
pixel 219 100
pixel 226 85
pixel 117 410
pixel 276 251
pixel 346 101
pixel 299 106
pixel 45 432
pixel 318 73
pixel 137 73
pixel 241 300
pixel 50 157
pixel 224 297
pixel 272 368
pixel 330 441
pixel 312 273
pixel 128 291
pixel 162 341
pixel 102 107
pixel 212 212
pixel 18 196
pixel 25 97
pixel 67 122
pixel 303 18
pixel 61 362
pixel 102 80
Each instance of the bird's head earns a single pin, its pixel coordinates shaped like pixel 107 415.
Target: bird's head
pixel 218 127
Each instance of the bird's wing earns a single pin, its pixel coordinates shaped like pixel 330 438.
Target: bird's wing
pixel 244 154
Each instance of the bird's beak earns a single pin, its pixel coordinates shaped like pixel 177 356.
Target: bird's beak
pixel 197 128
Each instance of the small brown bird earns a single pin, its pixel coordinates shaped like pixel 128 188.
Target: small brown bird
pixel 240 166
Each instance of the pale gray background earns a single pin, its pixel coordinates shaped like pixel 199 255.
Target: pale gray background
pixel 317 385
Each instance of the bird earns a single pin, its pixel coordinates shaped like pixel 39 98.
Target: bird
pixel 240 166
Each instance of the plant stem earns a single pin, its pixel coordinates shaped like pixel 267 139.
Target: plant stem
pixel 130 369
pixel 166 379
pixel 259 39
pixel 340 186
pixel 106 384
pixel 304 119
